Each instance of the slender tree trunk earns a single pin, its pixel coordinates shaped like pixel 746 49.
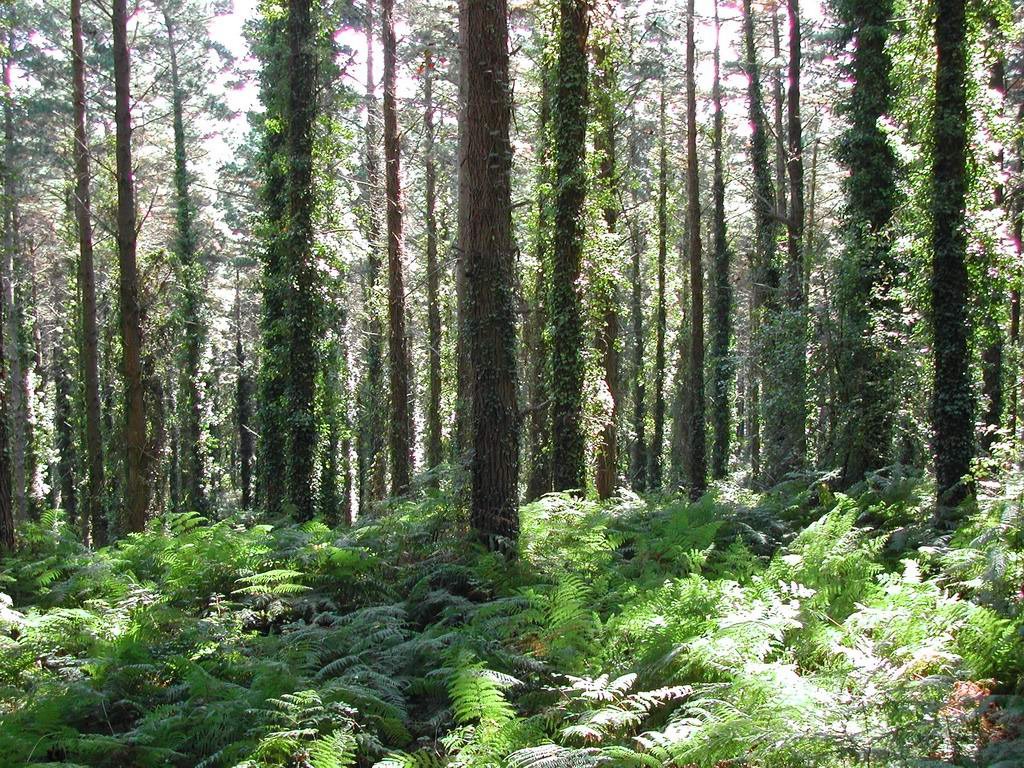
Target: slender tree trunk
pixel 17 389
pixel 953 405
pixel 570 112
pixel 6 509
pixel 697 462
pixel 606 82
pixel 780 124
pixel 192 281
pixel 638 454
pixel 654 456
pixel 136 461
pixel 763 273
pixel 721 299
pixel 94 513
pixel 486 243
pixel 795 451
pixel 401 448
pixel 539 481
pixel 434 449
pixel 243 407
pixel 63 417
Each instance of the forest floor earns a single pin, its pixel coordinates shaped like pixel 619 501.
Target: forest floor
pixel 797 628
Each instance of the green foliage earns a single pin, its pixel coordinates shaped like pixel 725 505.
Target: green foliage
pixel 627 634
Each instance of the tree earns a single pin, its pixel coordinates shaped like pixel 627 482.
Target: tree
pixel 434 450
pixel 570 128
pixel 486 244
pixel 398 355
pixel 606 85
pixel 721 287
pixel 868 270
pixel 94 513
pixel 763 272
pixel 192 292
pixel 654 454
pixel 953 398
pixel 136 463
pixel 697 459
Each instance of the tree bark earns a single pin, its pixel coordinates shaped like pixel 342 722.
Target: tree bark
pixel 697 466
pixel 654 455
pixel 434 432
pixel 398 358
pixel 94 513
pixel 953 401
pixel 486 244
pixel 136 461
pixel 721 299
pixel 567 368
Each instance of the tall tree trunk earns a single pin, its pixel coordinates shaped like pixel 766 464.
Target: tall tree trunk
pixel 434 450
pixel 17 385
pixel 486 243
pixel 763 272
pixel 372 464
pixel 780 125
pixel 136 493
pixel 721 295
pixel 6 509
pixel 192 282
pixel 94 513
pixel 953 404
pixel 243 407
pixel 539 480
pixel 795 447
pixel 567 369
pixel 398 357
pixel 638 454
pixel 303 310
pixel 697 463
pixel 606 82
pixel 63 417
pixel 654 456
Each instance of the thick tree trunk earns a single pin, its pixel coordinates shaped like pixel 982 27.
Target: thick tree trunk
pixel 192 290
pixel 697 463
pixel 398 356
pixel 94 512
pixel 486 243
pixel 953 404
pixel 654 456
pixel 434 449
pixel 136 493
pixel 567 369
pixel 721 296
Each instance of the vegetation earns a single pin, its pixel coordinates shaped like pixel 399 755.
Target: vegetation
pixel 587 384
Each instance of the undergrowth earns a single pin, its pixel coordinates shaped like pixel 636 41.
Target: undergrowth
pixel 799 629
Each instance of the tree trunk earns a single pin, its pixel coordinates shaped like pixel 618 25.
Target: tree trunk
pixel 539 481
pixel 94 513
pixel 953 404
pixel 243 407
pixel 567 367
pixel 486 243
pixel 764 276
pixel 136 462
pixel 654 456
pixel 721 295
pixel 434 449
pixel 192 291
pixel 638 454
pixel 795 447
pixel 606 81
pixel 398 357
pixel 780 125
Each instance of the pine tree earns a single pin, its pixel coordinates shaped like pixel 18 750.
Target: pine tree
pixel 136 461
pixel 721 287
pixel 953 398
pixel 94 512
pixel 570 127
pixel 486 243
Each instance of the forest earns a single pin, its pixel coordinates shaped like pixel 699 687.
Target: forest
pixel 530 384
